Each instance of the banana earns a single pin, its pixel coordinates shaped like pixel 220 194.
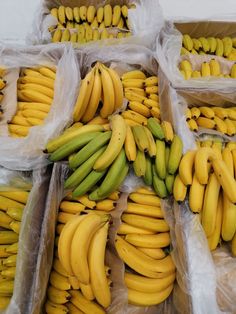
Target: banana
pixel 158 184
pixel 57 296
pixel 140 138
pixel 195 112
pixel 139 298
pixel 209 209
pixel 214 67
pixel 94 24
pixel 100 14
pixel 109 183
pixel 152 104
pixel 104 34
pixel 151 142
pixel 3 251
pixel 149 285
pixel 220 112
pixel 57 266
pixel 220 125
pixel 228 219
pixel 44 81
pixel 10 261
pixel 91 11
pixel 6 287
pixel 105 205
pixel 65 240
pixel 64 217
pixel 107 15
pixel 54 144
pixel 139 164
pixel 154 253
pixel 202 157
pixel 184 51
pixel 76 14
pixel 36 96
pixel 83 13
pixel 86 306
pixel 228 46
pixel 151 81
pixel 205 69
pixel 80 243
pixel 196 74
pixel 84 95
pixel 130 146
pixel 225 179
pixel 186 67
pixel 148 172
pixel 179 189
pixel 168 131
pixel 135 74
pixel 145 210
pixel 84 201
pixel 212 44
pixel 98 120
pixel 116 15
pixel 231 113
pixel 61 14
pixel 175 154
pixel 15 226
pixel 54 12
pixel 134 96
pixel 140 262
pixel 151 241
pixel 59 282
pixel 151 90
pixel 118 89
pixel 214 239
pixel 117 140
pixel 75 284
pixel 219 47
pixel 192 125
pixel 137 90
pixel 145 199
pixel 65 35
pixel 155 128
pixel 160 159
pixel 205 44
pixel 133 83
pixel 52 308
pixel 132 115
pixel 206 123
pixel 186 167
pixel 139 108
pixel 187 42
pixel 34 114
pixel 207 112
pixel 125 228
pixel 233 71
pixel 152 224
pixel 96 259
pixel 87 291
pixel 73 309
pixel 231 127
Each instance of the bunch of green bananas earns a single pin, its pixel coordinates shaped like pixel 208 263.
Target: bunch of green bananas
pixel 96 157
pixel 84 24
pixel 12 203
pixel 157 156
pixel 222 47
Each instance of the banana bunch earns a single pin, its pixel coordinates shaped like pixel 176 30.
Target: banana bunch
pixel 96 157
pixel 142 95
pixel 84 24
pixel 35 92
pixel 100 84
pixel 221 119
pixel 209 172
pixel 142 243
pixel 222 47
pixel 12 203
pixel 2 86
pixel 156 153
pixel 208 69
pixel 79 275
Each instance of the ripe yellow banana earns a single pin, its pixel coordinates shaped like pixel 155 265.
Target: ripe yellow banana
pixel 57 296
pixel 135 74
pixel 145 210
pixel 130 145
pixel 205 69
pixel 152 241
pixel 187 42
pixel 202 157
pixel 139 108
pixel 116 15
pixel 107 15
pixel 206 123
pixel 192 125
pixel 61 14
pixel 145 199
pixel 86 306
pixel 179 189
pixel 154 253
pixel 118 89
pixel 52 308
pixel 214 67
pixel 59 282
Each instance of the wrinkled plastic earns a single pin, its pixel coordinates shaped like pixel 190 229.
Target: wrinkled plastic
pixel 145 21
pixel 29 234
pixel 169 43
pixel 27 153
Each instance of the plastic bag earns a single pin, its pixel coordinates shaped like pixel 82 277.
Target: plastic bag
pixel 27 153
pixel 145 21
pixel 169 43
pixel 29 233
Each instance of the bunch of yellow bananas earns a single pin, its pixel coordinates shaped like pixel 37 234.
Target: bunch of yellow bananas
pixel 225 47
pixel 208 69
pixel 79 274
pixel 84 24
pixel 95 155
pixel 141 243
pixel 100 84
pixel 142 93
pixel 12 203
pixel 209 172
pixel 35 92
pixel 218 118
pixel 2 85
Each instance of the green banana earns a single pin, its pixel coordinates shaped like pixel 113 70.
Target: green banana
pixel 88 183
pixel 107 186
pixel 167 155
pixel 81 172
pixel 158 184
pixel 139 164
pixel 155 128
pixel 72 146
pixel 160 159
pixel 140 137
pixel 169 182
pixel 90 149
pixel 176 149
pixel 148 173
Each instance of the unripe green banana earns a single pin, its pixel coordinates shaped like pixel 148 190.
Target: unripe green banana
pixel 72 146
pixel 148 173
pixel 169 182
pixel 176 149
pixel 80 173
pixel 139 164
pixel 160 159
pixel 158 184
pixel 88 183
pixel 155 128
pixel 90 149
pixel 140 137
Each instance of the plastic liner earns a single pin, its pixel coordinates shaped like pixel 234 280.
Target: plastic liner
pixel 145 21
pixel 29 234
pixel 169 43
pixel 27 153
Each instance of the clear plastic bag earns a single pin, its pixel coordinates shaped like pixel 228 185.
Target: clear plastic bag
pixel 145 21
pixel 37 181
pixel 27 153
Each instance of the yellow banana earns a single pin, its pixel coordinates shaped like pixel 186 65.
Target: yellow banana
pixel 86 306
pixel 214 67
pixel 100 14
pixel 202 157
pixel 152 241
pixel 107 15
pixel 116 15
pixel 52 308
pixel 231 128
pixel 65 35
pixel 205 69
pixel 205 44
pixel 57 296
pixel 76 14
pixel 61 14
pixel 196 74
pixel 187 42
pixel 195 112
pixel 15 226
pixel 186 167
pixel 118 89
pixel 91 11
pixel 4 301
pixel 139 108
pixel 135 74
pixel 168 131
pixel 125 228
pixel 186 66
pixel 87 291
pixel 179 189
pixel 154 253
pixel 219 47
pixel 83 13
pixel 145 210
pixel 59 282
pixel 206 123
pixel 145 199
pixel 192 125
pixel 220 112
